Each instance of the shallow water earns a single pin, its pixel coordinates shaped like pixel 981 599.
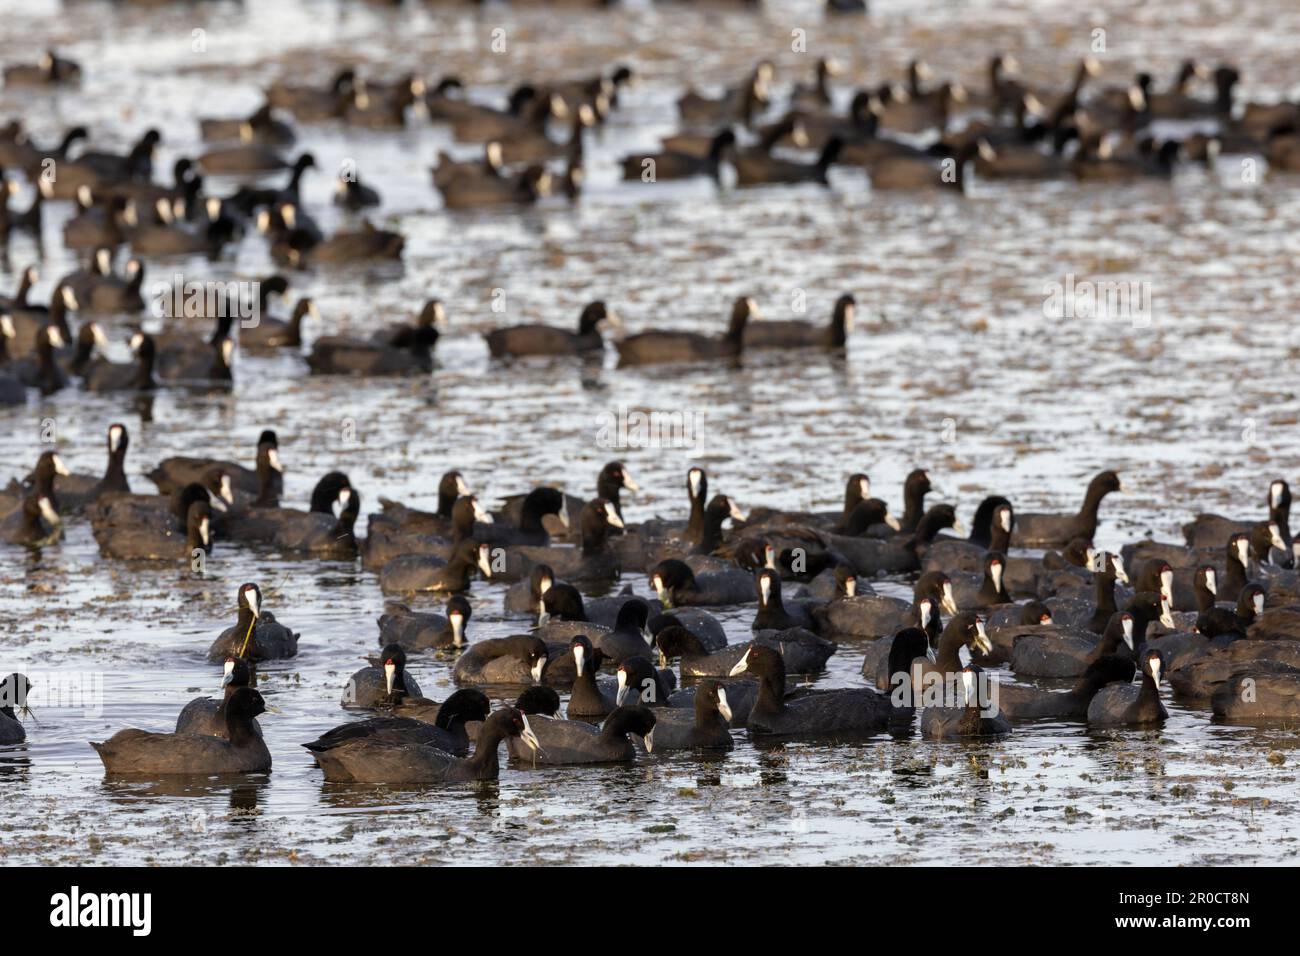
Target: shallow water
pixel 957 370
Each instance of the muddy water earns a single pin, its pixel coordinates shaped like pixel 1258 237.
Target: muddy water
pixel 956 368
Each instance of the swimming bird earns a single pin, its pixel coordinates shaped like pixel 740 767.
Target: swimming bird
pixel 380 761
pixel 706 726
pixel 445 725
pixel 421 631
pixel 670 346
pixel 376 685
pixel 566 742
pixel 1018 702
pixel 13 700
pixel 828 713
pixel 256 635
pixel 518 659
pixel 523 340
pixel 242 750
pixel 1127 704
pixel 1034 530
pixel 796 333
pixel 204 715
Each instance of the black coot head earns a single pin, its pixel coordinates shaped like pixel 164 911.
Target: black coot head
pixel 191 493
pixel 636 675
pixel 634 719
pixel 709 691
pixel 909 644
pixel 543 501
pixel 857 488
pixel 1251 602
pixel 198 523
pixel 742 310
pixel 670 574
pixel 510 721
pixel 217 481
pixel 846 580
pixel 941 516
pixel 564 602
pixel 534 651
pixel 393 655
pixel 272 285
pixel 615 475
pixel 459 605
pixel 1004 518
pixel 1078 552
pixel 1145 607
pixel 1035 613
pixel 1279 495
pixel 598 516
pixel 466 705
pixel 761 661
pixel 970 626
pixel 245 703
pixel 237 673
pixel 1153 664
pixel 47 467
pixel 633 615
pixel 1206 577
pixel 593 316
pixel 119 439
pixel 538 700
pixel 1120 629
pixel 452 485
pixel 918 481
pixel 433 314
pixel 541 579
pixel 721 508
pixel 675 640
pixel 932 584
pixel 697 484
pixel 1106 482
pixel 768 584
pixel 1239 548
pixel 1109 669
pixel 250 598
pixel 329 490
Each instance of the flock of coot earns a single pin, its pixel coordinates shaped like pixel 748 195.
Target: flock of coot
pixel 1215 619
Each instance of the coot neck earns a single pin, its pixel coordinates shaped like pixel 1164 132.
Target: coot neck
pixel 485 764
pixel 771 693
pixel 1204 598
pixel 1091 505
pixel 595 540
pixel 914 506
pixel 695 526
pixel 999 537
pixel 1105 591
pixel 239 728
pixel 115 473
pixel 144 365
pixel 446 501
